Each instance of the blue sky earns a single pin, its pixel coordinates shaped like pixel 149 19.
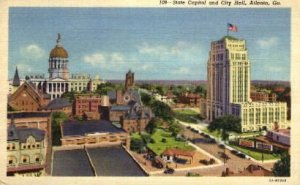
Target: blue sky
pixel 156 43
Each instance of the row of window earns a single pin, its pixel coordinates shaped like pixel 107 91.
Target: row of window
pixel 25 159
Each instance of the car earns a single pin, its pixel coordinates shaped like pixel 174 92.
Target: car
pixel 202 134
pixel 224 156
pixel 234 152
pixel 241 155
pixel 212 140
pixel 211 161
pixel 221 146
pixel 169 171
pixel 204 161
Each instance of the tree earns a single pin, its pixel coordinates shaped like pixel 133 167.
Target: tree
pixel 152 125
pixel 174 128
pixel 146 99
pixel 137 144
pixel 162 110
pixel 57 119
pixel 224 125
pixel 282 168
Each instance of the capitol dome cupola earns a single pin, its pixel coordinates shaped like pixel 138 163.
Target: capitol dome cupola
pixel 59 51
pixel 58 61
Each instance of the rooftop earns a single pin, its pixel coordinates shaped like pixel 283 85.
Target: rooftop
pixel 21 134
pixel 71 163
pixel 58 103
pixel 120 108
pixel 71 128
pixel 11 115
pixel 114 161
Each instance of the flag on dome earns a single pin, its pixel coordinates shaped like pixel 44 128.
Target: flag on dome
pixel 232 27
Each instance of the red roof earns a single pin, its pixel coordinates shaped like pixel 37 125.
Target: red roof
pixel 25 168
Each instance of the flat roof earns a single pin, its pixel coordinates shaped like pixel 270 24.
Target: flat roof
pixel 120 107
pixel 27 114
pixel 114 161
pixel 71 128
pixel 71 163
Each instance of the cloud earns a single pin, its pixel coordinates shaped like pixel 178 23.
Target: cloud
pixel 94 59
pixel 268 42
pixel 177 49
pixel 104 59
pixel 32 51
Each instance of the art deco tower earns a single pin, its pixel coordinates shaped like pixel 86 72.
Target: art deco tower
pixel 228 74
pixel 58 61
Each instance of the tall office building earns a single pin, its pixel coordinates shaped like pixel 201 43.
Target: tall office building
pixel 228 91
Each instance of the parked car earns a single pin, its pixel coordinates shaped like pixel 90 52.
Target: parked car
pixel 169 171
pixel 241 155
pixel 211 161
pixel 204 161
pixel 224 156
pixel 221 146
pixel 234 152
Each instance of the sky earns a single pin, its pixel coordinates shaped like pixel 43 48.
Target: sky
pixel 155 43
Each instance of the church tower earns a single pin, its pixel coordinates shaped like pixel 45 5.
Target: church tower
pixel 129 81
pixel 58 61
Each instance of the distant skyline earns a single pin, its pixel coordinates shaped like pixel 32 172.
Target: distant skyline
pixel 155 43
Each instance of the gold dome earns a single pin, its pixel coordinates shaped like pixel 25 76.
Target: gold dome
pixel 59 52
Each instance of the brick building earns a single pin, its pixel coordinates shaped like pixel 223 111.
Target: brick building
pixel 129 80
pixel 87 106
pixel 93 133
pixel 137 119
pixel 190 99
pixel 26 98
pixel 263 96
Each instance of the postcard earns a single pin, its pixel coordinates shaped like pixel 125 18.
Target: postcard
pixel 158 92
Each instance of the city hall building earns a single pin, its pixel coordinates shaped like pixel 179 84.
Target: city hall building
pixel 228 91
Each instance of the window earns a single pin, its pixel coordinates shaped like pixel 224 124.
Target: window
pixel 24 160
pixel 10 162
pixel 37 159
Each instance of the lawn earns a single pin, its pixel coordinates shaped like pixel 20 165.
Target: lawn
pixel 187 115
pixel 158 146
pixel 256 154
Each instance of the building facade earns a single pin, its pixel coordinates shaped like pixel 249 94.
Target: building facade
pixel 87 105
pixel 263 96
pixel 26 98
pixel 228 91
pixel 129 80
pixel 26 151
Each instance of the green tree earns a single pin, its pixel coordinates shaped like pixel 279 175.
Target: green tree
pixel 152 125
pixel 57 119
pixel 175 128
pixel 162 110
pixel 282 168
pixel 224 125
pixel 146 99
pixel 137 144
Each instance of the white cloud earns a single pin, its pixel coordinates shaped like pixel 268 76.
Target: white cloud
pixel 104 59
pixel 94 59
pixel 32 51
pixel 268 42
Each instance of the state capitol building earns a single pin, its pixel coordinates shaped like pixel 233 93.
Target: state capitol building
pixel 59 80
